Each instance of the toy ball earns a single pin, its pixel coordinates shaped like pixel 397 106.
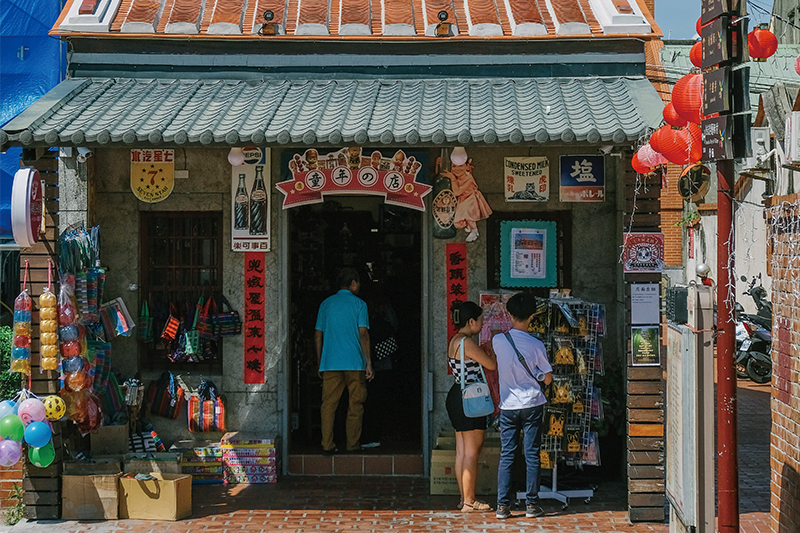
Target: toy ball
pixel 49 363
pixel 37 434
pixel 72 364
pixel 48 326
pixel 69 333
pixel 55 408
pixel 22 341
pixel 75 381
pixel 70 349
pixel 11 428
pixel 10 452
pixel 22 328
pixel 50 350
pixel 42 456
pixel 31 410
pixel 7 407
pixel 22 316
pixel 48 313
pixel 20 353
pixel 47 299
pixel 48 339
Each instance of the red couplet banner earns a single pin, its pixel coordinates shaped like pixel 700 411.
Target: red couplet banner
pixel 456 276
pixel 255 306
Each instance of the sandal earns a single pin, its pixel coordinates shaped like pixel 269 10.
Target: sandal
pixel 460 504
pixel 476 507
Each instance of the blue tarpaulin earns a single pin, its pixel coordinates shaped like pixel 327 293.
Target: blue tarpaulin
pixel 31 63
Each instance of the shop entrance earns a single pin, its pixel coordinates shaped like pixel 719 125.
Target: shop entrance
pixel 383 243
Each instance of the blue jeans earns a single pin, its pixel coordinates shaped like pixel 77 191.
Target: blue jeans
pixel 511 422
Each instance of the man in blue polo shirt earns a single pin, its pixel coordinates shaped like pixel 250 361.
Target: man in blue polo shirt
pixel 343 354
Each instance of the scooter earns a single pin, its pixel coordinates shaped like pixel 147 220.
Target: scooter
pixel 754 336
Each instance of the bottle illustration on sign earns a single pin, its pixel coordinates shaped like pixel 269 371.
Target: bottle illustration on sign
pixel 258 204
pixel 241 204
pixel 444 201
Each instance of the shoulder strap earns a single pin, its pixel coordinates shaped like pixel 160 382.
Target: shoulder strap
pixel 463 365
pixel 519 355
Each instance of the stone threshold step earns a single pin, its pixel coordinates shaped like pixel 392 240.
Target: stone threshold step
pixel 351 464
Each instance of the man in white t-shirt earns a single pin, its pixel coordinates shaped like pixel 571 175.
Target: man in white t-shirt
pixel 521 364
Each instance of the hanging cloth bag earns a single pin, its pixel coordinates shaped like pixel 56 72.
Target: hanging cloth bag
pixel 171 326
pixel 145 324
pixel 227 323
pixel 476 398
pixel 192 336
pixel 206 410
pixel 205 324
pixel 165 396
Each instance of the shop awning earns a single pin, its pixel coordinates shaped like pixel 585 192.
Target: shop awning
pixel 128 112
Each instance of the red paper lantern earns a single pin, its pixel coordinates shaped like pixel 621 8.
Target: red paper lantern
pixel 761 43
pixel 649 157
pixel 638 166
pixel 696 54
pixel 699 26
pixel 676 148
pixel 687 98
pixel 797 65
pixel 672 117
pixel 659 136
pixel 695 143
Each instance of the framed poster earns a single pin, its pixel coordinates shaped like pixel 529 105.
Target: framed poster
pixel 527 253
pixel 250 194
pixel 527 179
pixel 645 346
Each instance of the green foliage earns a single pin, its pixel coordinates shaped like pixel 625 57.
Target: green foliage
pixel 10 382
pixel 688 219
pixel 13 513
pixel 612 385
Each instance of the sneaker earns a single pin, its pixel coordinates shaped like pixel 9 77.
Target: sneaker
pixel 533 511
pixel 375 444
pixel 503 512
pixel 331 451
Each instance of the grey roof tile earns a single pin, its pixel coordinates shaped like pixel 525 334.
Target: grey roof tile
pixel 415 111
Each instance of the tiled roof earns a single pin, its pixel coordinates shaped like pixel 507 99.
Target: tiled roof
pixel 201 112
pixel 364 18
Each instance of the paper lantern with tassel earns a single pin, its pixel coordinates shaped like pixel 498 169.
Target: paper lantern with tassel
pixel 695 143
pixel 761 43
pixel 672 117
pixel 650 158
pixel 661 136
pixel 687 97
pixel 638 166
pixel 676 148
pixel 696 54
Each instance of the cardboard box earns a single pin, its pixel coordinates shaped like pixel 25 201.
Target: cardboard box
pixel 99 465
pixel 168 497
pixel 90 497
pixel 443 474
pixel 110 440
pixel 166 463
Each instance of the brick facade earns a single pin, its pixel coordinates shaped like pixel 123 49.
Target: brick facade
pixel 783 227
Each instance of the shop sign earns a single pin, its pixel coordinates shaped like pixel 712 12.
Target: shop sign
pixel 582 178
pixel 27 206
pixel 250 199
pixel 350 171
pixel 456 279
pixel 643 253
pixel 255 276
pixel 152 173
pixel 527 179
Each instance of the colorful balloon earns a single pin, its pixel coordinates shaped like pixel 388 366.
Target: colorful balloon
pixel 37 434
pixel 42 456
pixel 55 408
pixel 31 410
pixel 11 428
pixel 7 407
pixel 10 452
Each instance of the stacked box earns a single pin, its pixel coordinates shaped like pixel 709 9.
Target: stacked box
pixel 443 457
pixel 249 458
pixel 204 464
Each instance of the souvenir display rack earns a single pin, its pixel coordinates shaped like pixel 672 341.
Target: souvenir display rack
pixel 570 329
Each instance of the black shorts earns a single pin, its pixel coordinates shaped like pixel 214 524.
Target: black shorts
pixel 455 410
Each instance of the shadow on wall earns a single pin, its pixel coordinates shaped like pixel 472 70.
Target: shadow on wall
pixel 789 499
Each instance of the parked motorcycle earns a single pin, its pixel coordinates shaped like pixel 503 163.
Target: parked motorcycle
pixel 754 335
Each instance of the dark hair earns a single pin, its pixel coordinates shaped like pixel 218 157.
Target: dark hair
pixel 522 305
pixel 464 312
pixel 346 278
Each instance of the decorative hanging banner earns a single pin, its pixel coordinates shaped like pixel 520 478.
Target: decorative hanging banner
pixel 348 171
pixel 152 173
pixel 527 179
pixel 254 316
pixel 456 277
pixel 643 253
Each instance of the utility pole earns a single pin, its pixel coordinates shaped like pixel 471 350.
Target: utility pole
pixel 725 138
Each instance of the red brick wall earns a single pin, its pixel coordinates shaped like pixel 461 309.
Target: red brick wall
pixel 785 438
pixel 9 476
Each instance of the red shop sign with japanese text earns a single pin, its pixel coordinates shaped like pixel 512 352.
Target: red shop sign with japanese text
pixel 349 171
pixel 254 316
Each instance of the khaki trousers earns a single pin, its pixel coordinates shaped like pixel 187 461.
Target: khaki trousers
pixel 333 384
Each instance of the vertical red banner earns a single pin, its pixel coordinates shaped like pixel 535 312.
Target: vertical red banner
pixel 455 275
pixel 255 305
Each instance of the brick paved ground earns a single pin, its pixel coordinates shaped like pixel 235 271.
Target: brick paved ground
pixel 309 504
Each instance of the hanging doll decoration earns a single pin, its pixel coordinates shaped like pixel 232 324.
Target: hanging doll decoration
pixel 471 206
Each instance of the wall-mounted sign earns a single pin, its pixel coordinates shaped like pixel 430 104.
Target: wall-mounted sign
pixel 645 307
pixel 527 179
pixel 350 171
pixel 726 137
pixel 643 253
pixel 250 195
pixel 726 90
pixel 152 173
pixel 645 346
pixel 582 178
pixel 255 305
pixel 27 206
pixel 456 279
pixel 527 253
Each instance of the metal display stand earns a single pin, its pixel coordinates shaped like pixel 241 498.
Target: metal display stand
pixel 584 339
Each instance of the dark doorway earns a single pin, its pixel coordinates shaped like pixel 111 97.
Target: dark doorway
pixel 383 243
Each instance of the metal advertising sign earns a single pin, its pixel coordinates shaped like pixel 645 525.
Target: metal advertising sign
pixel 582 178
pixel 152 173
pixel 349 171
pixel 643 253
pixel 250 193
pixel 527 179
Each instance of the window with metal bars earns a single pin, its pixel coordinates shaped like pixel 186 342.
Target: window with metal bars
pixel 180 262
